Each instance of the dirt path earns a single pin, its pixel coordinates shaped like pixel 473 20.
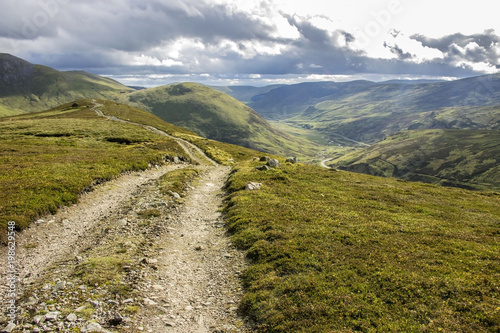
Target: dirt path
pixel 57 237
pixel 323 163
pixel 196 287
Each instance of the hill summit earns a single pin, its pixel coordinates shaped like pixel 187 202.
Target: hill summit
pixel 217 116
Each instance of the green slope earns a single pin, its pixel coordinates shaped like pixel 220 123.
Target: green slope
pixel 25 87
pixel 464 158
pixel 217 116
pixel 345 252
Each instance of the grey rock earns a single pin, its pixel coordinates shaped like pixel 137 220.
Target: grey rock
pixel 52 316
pixel 264 159
pixel 263 168
pixel 148 302
pixel 94 327
pixel 121 223
pixel 116 320
pixel 273 163
pixel 9 328
pixel 128 300
pixel 38 319
pixel 31 301
pixel 174 194
pixel 251 186
pixel 71 317
pixel 95 304
pixel 59 286
pixel 293 160
pixel 81 308
pixel 36 330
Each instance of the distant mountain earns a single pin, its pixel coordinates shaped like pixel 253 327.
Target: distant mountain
pixel 461 158
pixel 25 87
pixel 217 116
pixel 246 94
pixel 368 111
pixel 286 102
pixel 419 81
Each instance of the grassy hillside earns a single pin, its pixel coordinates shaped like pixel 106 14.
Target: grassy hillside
pixel 217 116
pixel 25 87
pixel 465 158
pixel 48 158
pixel 344 252
pixel 285 102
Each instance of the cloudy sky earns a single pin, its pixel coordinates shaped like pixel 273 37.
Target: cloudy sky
pixel 153 42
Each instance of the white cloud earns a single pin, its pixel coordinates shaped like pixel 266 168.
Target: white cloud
pixel 144 60
pixel 418 52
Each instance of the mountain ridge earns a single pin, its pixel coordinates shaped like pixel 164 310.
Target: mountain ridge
pixel 367 111
pixel 26 87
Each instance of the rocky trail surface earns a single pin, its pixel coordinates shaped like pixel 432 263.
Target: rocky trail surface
pixel 131 258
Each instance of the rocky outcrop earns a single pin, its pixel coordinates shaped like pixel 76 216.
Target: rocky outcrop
pixel 273 163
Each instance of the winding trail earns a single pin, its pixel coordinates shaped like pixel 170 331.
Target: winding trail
pixel 323 163
pixel 195 153
pixel 197 280
pixel 63 235
pixel 196 287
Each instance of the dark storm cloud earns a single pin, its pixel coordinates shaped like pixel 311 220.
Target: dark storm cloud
pixel 108 36
pixel 481 47
pixel 127 25
pixel 487 39
pixel 399 52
